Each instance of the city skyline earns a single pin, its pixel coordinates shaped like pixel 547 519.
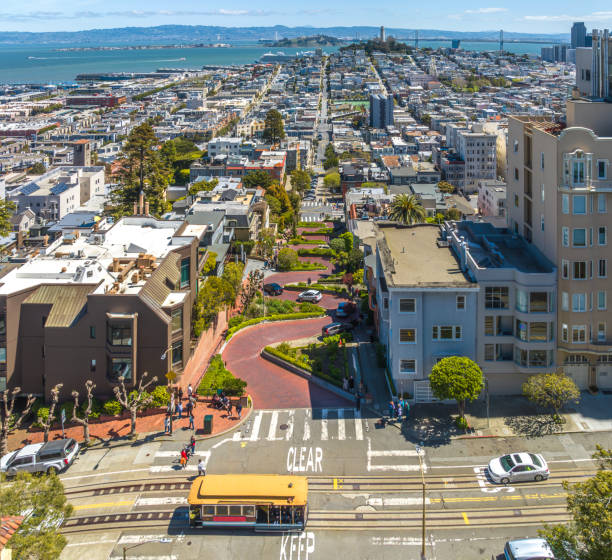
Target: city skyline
pixel 51 15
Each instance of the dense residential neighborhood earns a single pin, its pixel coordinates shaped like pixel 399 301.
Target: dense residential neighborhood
pixel 372 265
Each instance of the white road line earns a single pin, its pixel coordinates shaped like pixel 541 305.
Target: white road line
pixel 102 474
pixel 458 467
pixel 139 557
pixel 160 454
pixel 403 468
pixel 306 427
pixel 256 426
pixel 394 453
pixel 324 434
pixel 133 539
pixel 91 543
pixel 358 428
pixel 397 501
pixel 171 468
pixel 222 442
pixel 272 430
pixel 164 501
pixel 341 427
pixel 570 460
pixel 290 422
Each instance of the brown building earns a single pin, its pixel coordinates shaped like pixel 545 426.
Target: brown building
pixel 115 302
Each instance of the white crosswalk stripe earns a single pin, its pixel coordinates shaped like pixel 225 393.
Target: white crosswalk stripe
pixel 358 427
pixel 402 460
pixel 341 429
pixel 324 433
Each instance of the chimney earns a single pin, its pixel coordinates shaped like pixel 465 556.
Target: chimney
pixel 141 203
pixel 146 211
pixel 135 209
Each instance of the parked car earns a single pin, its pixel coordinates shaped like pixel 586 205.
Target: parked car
pixel 309 197
pixel 528 549
pixel 335 328
pixel 323 246
pixel 273 289
pixel 53 456
pixel 518 467
pixel 310 295
pixel 345 309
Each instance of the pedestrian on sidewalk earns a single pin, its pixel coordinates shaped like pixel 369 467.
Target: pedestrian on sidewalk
pixel 406 408
pixel 351 384
pixel 201 468
pixel 180 393
pixel 189 407
pixel 309 281
pixel 238 409
pixel 229 408
pixel 183 458
pixel 361 388
pixel 399 406
pixel 345 384
pixel 391 409
pixel 189 390
pixel 167 424
pixel 179 409
pixel 192 442
pixel 191 424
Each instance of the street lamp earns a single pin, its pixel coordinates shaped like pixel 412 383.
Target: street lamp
pixel 162 540
pixel 419 450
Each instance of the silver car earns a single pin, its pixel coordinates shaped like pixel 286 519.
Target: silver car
pixel 518 467
pixel 310 295
pixel 51 457
pixel 528 549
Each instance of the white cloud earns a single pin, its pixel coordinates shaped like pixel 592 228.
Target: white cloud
pixel 595 16
pixel 486 11
pixel 30 16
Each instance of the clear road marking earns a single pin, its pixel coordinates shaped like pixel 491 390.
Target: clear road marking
pixel 397 501
pixel 465 518
pixel 324 434
pixel 256 426
pixel 164 501
pixel 290 422
pixel 102 474
pixel 104 505
pixel 358 428
pixel 272 430
pixel 341 428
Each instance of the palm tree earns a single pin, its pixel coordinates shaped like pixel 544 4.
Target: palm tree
pixel 407 209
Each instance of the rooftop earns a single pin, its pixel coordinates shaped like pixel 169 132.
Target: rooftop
pixel 410 256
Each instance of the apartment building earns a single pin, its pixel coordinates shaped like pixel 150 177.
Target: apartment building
pixel 425 304
pixel 114 302
pixel 492 198
pixel 381 110
pixel 559 199
pixel 224 145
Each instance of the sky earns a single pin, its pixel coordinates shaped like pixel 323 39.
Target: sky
pixel 542 16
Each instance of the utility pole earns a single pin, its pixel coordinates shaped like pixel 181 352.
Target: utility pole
pixel 419 450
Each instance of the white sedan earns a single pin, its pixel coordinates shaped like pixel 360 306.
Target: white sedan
pixel 518 467
pixel 310 295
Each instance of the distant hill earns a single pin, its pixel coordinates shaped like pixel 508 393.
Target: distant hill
pixel 189 34
pixel 312 41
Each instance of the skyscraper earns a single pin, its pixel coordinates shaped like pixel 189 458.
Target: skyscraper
pixel 578 35
pixel 383 36
pixel 381 110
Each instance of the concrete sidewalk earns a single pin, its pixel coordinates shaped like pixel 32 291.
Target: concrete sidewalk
pixel 372 376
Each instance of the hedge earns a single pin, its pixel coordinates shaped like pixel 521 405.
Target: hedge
pixel 312 225
pixel 298 241
pixel 285 317
pixel 320 231
pixel 302 365
pixel 308 266
pixel 112 407
pixel 317 286
pixel 217 376
pixel 315 252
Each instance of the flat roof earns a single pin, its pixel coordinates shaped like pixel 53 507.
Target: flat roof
pixel 249 488
pixel 411 257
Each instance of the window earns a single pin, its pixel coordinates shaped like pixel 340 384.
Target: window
pixel 602 235
pixel 120 335
pixel 177 320
pixel 185 272
pixel 601 300
pixel 522 301
pixel 521 330
pixel 92 366
pixel 542 192
pixel 461 302
pixel 516 146
pixel 578 303
pixel 564 301
pixel 565 269
pixel 120 367
pixel 565 203
pixel 446 332
pixel 542 222
pixel 578 172
pixel 2 325
pixel 565 236
pixel 407 336
pixel 489 322
pixel 579 270
pixel 601 203
pixel 601 168
pixel 602 268
pixel 601 332
pixel 2 354
pixel 579 237
pixel 564 332
pixel 579 202
pixel 407 366
pixel 92 332
pixel 538 302
pixel 407 305
pixel 516 200
pixel 578 334
pixel 489 352
pixel 542 160
pixel 177 354
pixel 516 174
pixel 386 303
pixel 496 297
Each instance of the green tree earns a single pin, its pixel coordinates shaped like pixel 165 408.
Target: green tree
pixel 300 180
pixel 37 169
pixel 446 187
pixel 457 378
pixel 337 245
pixel 7 209
pixel 142 169
pixel 407 209
pixel 216 294
pixel 453 214
pixel 287 259
pixel 232 274
pixel 265 241
pixel 588 536
pixel 251 287
pixel 203 186
pixel 332 180
pixel 274 130
pixel 44 500
pixel 603 457
pixel 551 390
pixel 257 178
pixel 355 260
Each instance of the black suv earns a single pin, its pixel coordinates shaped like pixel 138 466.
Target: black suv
pixel 273 289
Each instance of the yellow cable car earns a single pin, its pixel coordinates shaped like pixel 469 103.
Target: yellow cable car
pixel 262 501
